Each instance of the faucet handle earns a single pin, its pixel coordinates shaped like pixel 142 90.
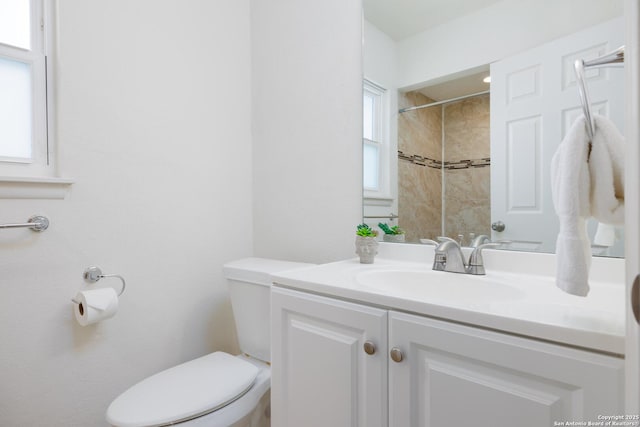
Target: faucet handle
pixel 476 263
pixel 479 240
pixel 428 242
pixel 443 239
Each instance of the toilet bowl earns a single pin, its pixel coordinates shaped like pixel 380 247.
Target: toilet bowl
pixel 218 389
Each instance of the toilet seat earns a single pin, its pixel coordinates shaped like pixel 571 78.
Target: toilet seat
pixel 183 392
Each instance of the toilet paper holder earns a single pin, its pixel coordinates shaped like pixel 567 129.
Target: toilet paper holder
pixel 93 274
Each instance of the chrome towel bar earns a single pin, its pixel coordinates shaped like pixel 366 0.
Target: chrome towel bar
pixel 391 216
pixel 35 223
pixel 615 57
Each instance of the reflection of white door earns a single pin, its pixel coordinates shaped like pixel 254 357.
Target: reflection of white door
pixel 534 101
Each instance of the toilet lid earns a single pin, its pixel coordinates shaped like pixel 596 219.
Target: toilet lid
pixel 183 392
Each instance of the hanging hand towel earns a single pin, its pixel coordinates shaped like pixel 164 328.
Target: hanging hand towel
pixel 605 235
pixel 570 187
pixel 606 167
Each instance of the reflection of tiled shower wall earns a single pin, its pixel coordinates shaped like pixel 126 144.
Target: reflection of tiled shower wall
pixel 466 197
pixel 467 191
pixel 419 187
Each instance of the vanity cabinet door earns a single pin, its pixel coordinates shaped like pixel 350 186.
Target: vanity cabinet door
pixel 454 375
pixel 322 373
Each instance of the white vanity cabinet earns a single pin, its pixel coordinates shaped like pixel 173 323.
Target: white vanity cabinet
pixel 425 372
pixel 321 375
pixel 456 375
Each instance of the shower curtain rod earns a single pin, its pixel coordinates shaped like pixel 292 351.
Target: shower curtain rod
pixel 445 101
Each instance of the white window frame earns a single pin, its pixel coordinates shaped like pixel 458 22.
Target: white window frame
pixel 381 141
pixel 36 177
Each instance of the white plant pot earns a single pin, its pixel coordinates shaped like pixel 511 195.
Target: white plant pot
pixel 366 248
pixel 395 238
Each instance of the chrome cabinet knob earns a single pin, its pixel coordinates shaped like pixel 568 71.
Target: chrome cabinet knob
pixel 498 226
pixel 369 347
pixel 396 354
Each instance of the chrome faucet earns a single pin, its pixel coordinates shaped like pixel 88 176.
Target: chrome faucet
pixel 449 257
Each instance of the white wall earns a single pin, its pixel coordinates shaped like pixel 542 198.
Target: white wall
pixel 379 57
pixel 307 128
pixel 154 126
pixel 494 33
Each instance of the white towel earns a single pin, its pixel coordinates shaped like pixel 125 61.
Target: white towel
pixel 606 167
pixel 570 188
pixel 581 189
pixel 605 235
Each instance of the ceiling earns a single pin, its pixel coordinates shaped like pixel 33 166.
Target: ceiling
pixel 460 86
pixel 400 19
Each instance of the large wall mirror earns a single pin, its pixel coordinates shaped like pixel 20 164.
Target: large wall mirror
pixel 465 103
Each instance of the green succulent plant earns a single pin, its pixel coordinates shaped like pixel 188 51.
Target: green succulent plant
pixel 365 231
pixel 390 230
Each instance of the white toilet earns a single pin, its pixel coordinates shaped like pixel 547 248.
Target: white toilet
pixel 216 390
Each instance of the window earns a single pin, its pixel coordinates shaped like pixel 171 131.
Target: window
pixel 375 144
pixel 25 145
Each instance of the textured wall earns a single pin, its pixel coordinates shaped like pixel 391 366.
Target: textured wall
pixel 467 196
pixel 419 187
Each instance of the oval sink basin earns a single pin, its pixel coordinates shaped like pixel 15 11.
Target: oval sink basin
pixel 430 285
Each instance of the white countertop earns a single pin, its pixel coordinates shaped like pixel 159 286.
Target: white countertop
pixel 527 304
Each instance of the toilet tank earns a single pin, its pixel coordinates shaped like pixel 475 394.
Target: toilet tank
pixel 249 282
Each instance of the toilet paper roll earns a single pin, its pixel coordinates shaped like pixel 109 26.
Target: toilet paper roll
pixel 95 305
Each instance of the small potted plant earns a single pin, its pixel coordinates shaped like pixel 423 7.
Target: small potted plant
pixel 366 243
pixel 392 234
